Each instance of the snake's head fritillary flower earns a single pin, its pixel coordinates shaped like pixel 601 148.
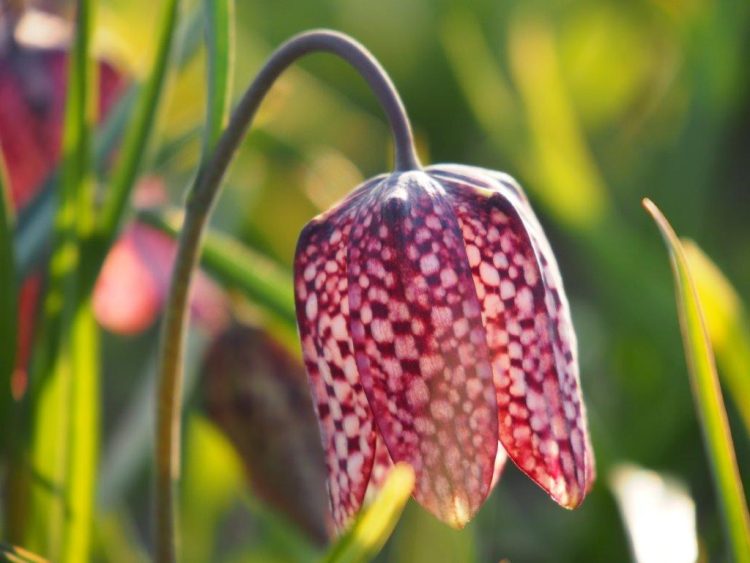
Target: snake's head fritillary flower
pixel 435 331
pixel 256 393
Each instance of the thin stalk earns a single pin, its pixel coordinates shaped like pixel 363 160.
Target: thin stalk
pixel 200 202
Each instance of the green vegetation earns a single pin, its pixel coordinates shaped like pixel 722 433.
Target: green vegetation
pixel 590 105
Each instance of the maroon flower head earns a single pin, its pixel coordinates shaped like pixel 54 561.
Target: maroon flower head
pixel 435 331
pixel 256 393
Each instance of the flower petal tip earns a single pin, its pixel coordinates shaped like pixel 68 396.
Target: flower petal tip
pixel 461 515
pixel 569 500
pixel 572 494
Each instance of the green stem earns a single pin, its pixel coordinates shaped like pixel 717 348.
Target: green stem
pixel 201 199
pixel 137 137
pixel 57 454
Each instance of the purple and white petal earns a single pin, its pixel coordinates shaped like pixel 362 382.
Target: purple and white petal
pixel 420 345
pixel 344 416
pixel 542 421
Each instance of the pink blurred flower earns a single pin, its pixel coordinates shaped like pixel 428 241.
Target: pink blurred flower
pixel 32 104
pixel 133 285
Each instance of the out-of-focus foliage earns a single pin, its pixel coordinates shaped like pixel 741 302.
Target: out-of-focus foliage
pixel 19 555
pixel 704 381
pixel 727 326
pixel 269 419
pixel 8 298
pixel 590 105
pixel 375 523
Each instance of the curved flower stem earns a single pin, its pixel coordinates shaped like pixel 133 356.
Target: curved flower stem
pixel 199 204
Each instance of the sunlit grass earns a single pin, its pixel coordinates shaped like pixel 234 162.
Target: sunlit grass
pixel 707 393
pixel 589 106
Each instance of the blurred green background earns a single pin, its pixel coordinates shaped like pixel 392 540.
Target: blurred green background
pixel 591 105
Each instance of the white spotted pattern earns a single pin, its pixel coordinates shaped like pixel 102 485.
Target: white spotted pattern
pixel 434 323
pixel 345 418
pixel 542 421
pixel 417 381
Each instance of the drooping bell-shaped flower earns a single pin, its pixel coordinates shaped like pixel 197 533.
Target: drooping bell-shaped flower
pixel 435 331
pixel 256 393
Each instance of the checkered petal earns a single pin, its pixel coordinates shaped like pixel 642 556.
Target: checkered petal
pixel 381 466
pixel 542 422
pixel 420 345
pixel 322 302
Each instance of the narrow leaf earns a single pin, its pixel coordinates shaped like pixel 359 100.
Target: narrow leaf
pixel 140 131
pixel 84 434
pixel 262 281
pixel 83 381
pixel 34 224
pixel 707 394
pixel 67 529
pixel 219 16
pixel 73 195
pixel 727 326
pixel 375 524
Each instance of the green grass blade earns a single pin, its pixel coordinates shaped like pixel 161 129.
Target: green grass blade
pixel 111 129
pixel 707 393
pixel 262 281
pixel 84 435
pixel 219 16
pixel 34 223
pixel 140 131
pixel 73 195
pixel 68 510
pixel 376 522
pixel 727 326
pixel 82 419
pixel 8 303
pixel 34 227
pixel 10 439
